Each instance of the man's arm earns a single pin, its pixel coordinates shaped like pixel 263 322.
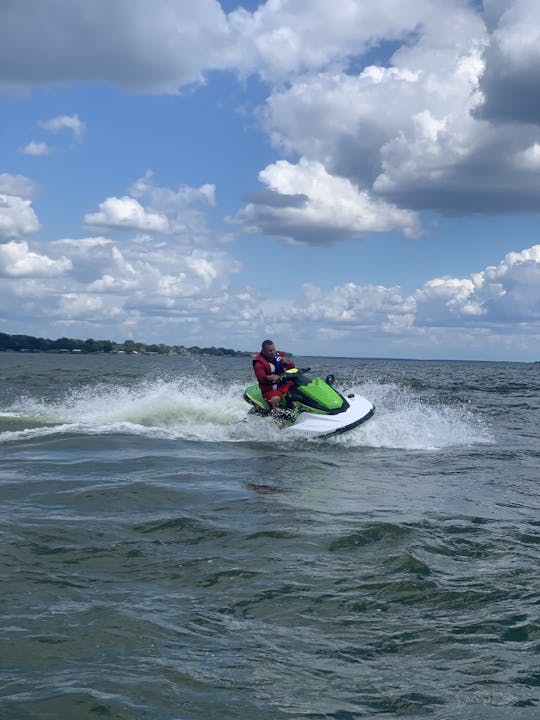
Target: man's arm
pixel 262 377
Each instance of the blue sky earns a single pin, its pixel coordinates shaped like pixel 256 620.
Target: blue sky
pixel 347 178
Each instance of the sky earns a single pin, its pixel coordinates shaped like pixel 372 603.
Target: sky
pixel 352 178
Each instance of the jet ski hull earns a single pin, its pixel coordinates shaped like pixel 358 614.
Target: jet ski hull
pixel 311 425
pixel 299 420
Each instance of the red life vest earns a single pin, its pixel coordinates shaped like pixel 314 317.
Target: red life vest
pixel 267 369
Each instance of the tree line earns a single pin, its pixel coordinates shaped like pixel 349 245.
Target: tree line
pixel 29 343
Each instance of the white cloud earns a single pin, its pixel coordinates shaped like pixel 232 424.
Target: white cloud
pixel 112 41
pixel 17 185
pixel 491 301
pixel 17 260
pixel 412 129
pixel 412 132
pixel 403 133
pixel 168 200
pixel 105 285
pixel 518 276
pixel 17 217
pixel 84 245
pixel 36 148
pixel 509 292
pixel 290 37
pixel 185 208
pixel 529 159
pixel 442 113
pixel 125 213
pixel 90 257
pixel 179 41
pixel 61 122
pixel 166 261
pixel 148 208
pixel 80 306
pixel 159 270
pixel 163 276
pixel 444 301
pixel 355 305
pixel 510 83
pixel 311 207
pixel 106 288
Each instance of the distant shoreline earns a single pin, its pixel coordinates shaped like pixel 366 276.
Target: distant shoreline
pixel 64 345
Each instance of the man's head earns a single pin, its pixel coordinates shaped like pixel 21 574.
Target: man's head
pixel 268 349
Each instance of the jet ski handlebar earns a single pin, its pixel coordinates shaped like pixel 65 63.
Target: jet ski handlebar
pixel 297 373
pixel 288 374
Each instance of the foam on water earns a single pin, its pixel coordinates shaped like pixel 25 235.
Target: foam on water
pixel 193 409
pixel 404 419
pixel 162 408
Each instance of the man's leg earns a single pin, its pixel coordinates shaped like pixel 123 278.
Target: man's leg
pixel 275 402
pixel 273 398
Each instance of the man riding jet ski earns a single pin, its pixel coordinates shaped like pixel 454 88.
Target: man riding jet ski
pixel 269 365
pixel 310 407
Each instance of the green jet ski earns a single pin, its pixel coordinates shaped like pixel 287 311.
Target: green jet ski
pixel 313 408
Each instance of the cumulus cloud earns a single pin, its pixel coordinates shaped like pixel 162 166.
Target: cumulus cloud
pixel 125 213
pixel 17 260
pixel 17 217
pixel 317 208
pixel 430 126
pixel 80 306
pixel 149 208
pixel 61 122
pixel 17 185
pixel 498 296
pixel 170 200
pixel 413 132
pixel 510 82
pixel 185 208
pixel 402 133
pixel 161 276
pixel 378 111
pixel 90 256
pixel 36 148
pixel 355 306
pixel 113 41
pixel 167 253
pixel 178 42
pixel 104 283
pixel 291 37
pixel 508 292
pixel 95 281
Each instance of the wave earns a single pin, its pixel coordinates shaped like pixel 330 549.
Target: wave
pixel 191 408
pixel 405 419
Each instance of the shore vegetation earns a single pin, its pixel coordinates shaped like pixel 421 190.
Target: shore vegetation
pixel 29 343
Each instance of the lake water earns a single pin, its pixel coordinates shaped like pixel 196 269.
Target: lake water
pixel 164 558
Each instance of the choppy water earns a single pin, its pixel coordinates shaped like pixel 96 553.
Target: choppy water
pixel 164 559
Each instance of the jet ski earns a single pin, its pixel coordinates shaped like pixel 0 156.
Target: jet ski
pixel 313 407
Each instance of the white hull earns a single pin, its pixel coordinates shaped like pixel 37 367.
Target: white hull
pixel 312 425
